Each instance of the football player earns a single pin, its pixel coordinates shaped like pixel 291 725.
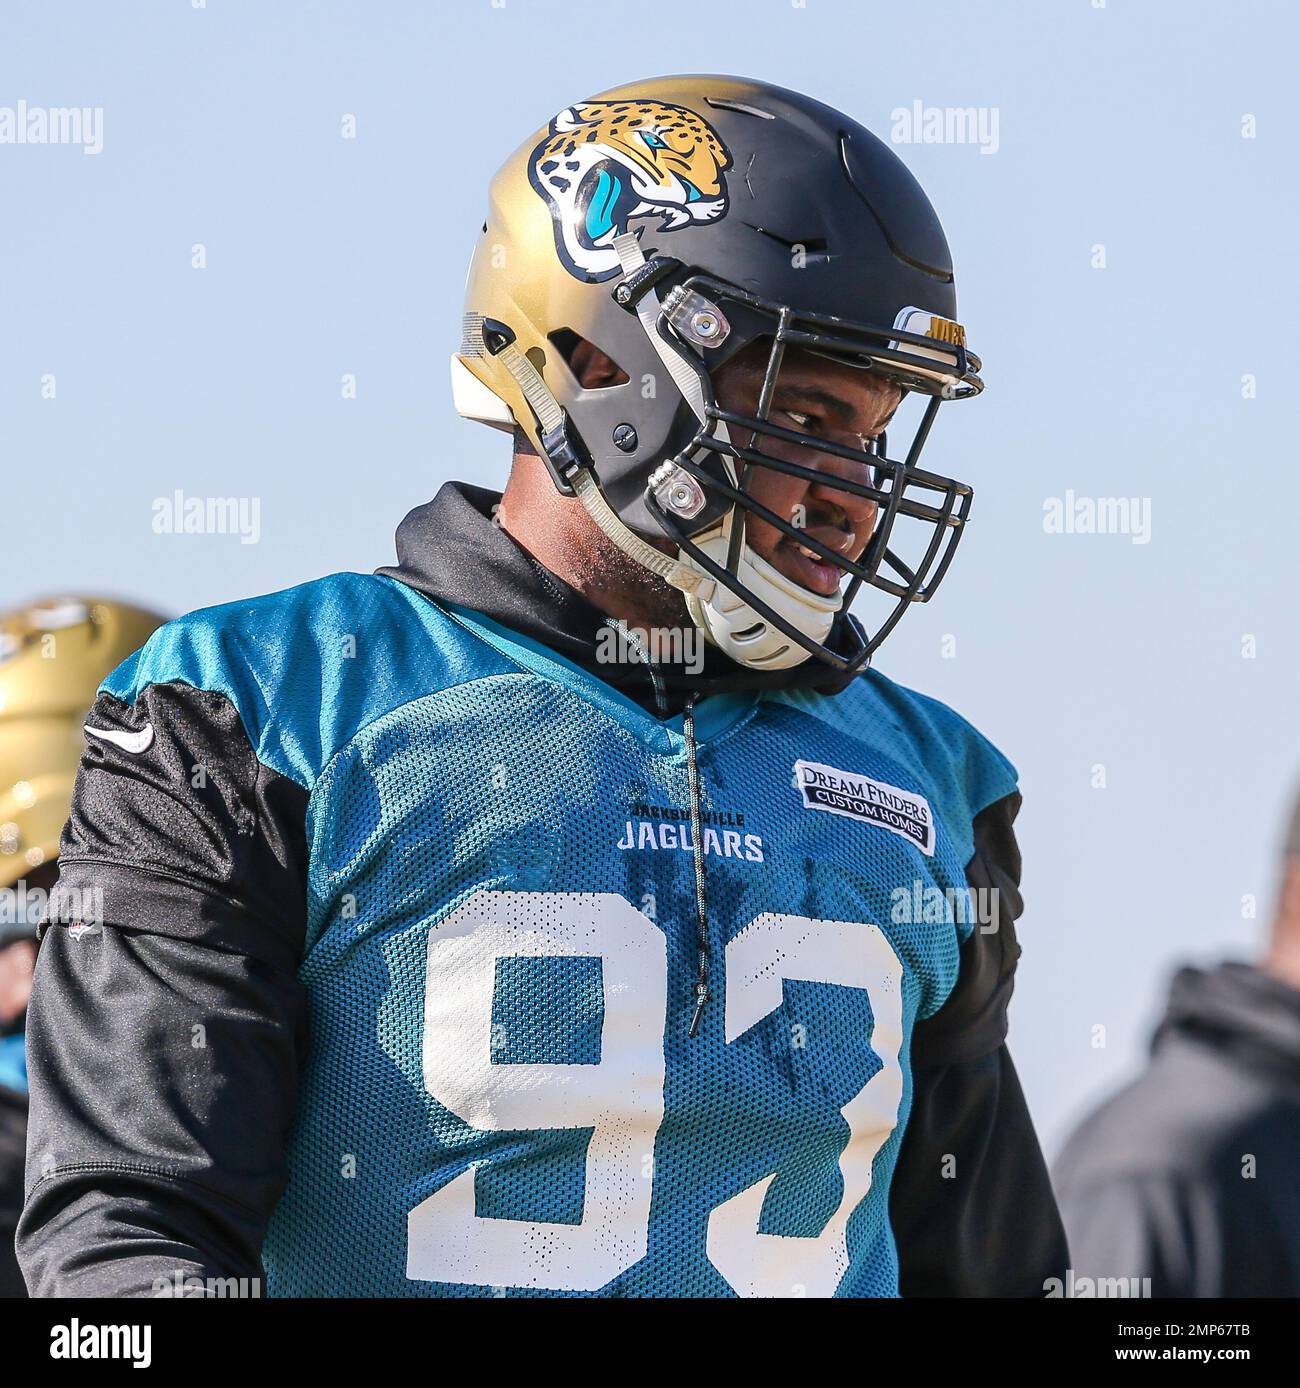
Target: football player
pixel 1184 1180
pixel 570 909
pixel 53 654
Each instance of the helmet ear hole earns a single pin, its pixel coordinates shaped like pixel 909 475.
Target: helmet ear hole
pixel 564 341
pixel 592 368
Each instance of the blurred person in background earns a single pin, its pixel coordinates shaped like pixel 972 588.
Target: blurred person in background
pixel 17 956
pixel 1188 1176
pixel 53 654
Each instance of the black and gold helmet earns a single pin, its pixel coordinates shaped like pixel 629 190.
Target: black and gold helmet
pixel 672 223
pixel 54 653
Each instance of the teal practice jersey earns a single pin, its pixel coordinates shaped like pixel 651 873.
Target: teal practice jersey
pixel 502 1095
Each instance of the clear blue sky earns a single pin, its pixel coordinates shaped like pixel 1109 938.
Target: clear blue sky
pixel 1120 126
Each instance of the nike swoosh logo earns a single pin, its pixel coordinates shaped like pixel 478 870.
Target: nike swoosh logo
pixel 134 743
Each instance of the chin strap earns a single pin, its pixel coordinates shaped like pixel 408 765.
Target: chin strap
pixel 696 585
pixel 550 416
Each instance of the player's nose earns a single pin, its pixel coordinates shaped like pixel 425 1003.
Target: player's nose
pixel 858 512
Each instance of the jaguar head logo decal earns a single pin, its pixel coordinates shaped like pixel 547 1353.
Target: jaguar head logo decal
pixel 605 164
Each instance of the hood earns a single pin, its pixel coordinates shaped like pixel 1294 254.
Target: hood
pixel 1240 1012
pixel 451 550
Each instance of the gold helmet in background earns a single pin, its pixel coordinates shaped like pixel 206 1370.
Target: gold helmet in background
pixel 54 652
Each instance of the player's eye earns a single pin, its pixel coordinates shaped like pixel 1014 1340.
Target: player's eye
pixel 801 420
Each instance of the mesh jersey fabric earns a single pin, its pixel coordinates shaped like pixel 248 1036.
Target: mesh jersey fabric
pixel 501 1097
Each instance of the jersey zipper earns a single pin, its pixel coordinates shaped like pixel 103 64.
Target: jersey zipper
pixel 697 844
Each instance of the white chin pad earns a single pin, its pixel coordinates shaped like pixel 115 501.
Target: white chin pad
pixel 735 628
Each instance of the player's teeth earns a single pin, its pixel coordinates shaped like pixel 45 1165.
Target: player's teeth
pixel 803 549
